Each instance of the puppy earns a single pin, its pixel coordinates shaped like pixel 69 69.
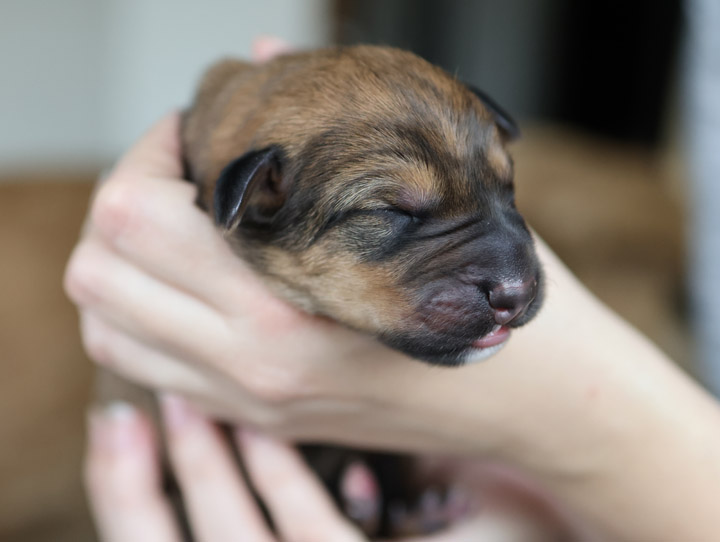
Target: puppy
pixel 366 185
pixel 369 186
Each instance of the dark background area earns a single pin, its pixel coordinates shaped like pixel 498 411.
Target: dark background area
pixel 603 67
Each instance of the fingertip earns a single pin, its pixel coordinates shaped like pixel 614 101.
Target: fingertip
pixel 299 504
pixel 120 449
pixel 265 48
pixel 112 427
pixel 122 477
pixel 361 496
pixel 142 202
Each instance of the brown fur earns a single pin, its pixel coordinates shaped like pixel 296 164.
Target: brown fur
pixel 360 128
pixel 391 196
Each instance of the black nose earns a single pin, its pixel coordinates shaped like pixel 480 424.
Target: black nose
pixel 509 300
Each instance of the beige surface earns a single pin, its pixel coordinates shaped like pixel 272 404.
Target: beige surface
pixel 44 376
pixel 603 208
pixel 613 214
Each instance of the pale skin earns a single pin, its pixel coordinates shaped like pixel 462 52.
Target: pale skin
pixel 122 475
pixel 578 402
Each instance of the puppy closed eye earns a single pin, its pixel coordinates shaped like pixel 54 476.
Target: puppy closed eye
pixel 396 215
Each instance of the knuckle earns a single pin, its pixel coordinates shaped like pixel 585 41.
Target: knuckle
pixel 114 209
pixel 83 281
pixel 271 385
pixel 278 319
pixel 96 339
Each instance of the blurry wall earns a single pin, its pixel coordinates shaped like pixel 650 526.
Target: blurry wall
pixel 603 67
pixel 82 78
pixel 506 47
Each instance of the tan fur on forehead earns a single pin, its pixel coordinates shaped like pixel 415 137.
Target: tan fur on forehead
pixel 241 106
pixel 500 161
pixel 408 185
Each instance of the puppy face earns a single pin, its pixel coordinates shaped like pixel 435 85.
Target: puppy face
pixel 369 186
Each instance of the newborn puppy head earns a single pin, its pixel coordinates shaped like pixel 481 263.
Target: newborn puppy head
pixel 371 187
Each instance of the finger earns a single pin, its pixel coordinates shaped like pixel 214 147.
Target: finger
pixel 154 223
pixel 122 476
pixel 300 506
pixel 153 368
pixel 265 48
pixel 361 496
pixel 144 307
pixel 157 153
pixel 218 502
pixel 147 214
pixel 493 527
pixel 133 359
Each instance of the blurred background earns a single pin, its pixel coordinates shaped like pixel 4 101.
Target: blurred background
pixel 619 103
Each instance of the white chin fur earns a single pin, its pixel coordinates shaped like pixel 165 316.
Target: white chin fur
pixel 481 354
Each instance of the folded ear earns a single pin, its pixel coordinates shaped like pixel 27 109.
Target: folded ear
pixel 505 122
pixel 250 189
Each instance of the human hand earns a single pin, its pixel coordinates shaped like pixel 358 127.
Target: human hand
pixel 575 397
pixel 165 302
pixel 123 480
pixel 145 247
pixel 123 475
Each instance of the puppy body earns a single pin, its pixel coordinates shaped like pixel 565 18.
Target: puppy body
pixel 367 185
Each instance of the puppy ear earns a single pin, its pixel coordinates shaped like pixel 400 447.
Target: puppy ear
pixel 250 189
pixel 505 122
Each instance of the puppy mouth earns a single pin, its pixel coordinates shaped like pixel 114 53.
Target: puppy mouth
pixel 498 335
pixel 487 345
pixel 462 352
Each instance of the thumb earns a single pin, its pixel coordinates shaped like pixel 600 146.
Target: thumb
pixel 265 48
pixel 157 153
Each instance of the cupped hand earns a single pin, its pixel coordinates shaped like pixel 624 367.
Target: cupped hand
pixel 123 478
pixel 576 399
pixel 164 302
pixel 123 473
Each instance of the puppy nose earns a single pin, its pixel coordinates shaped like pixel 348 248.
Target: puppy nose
pixel 509 300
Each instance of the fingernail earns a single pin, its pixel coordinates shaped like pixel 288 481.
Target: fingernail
pixel 361 495
pixel 112 427
pixel 177 412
